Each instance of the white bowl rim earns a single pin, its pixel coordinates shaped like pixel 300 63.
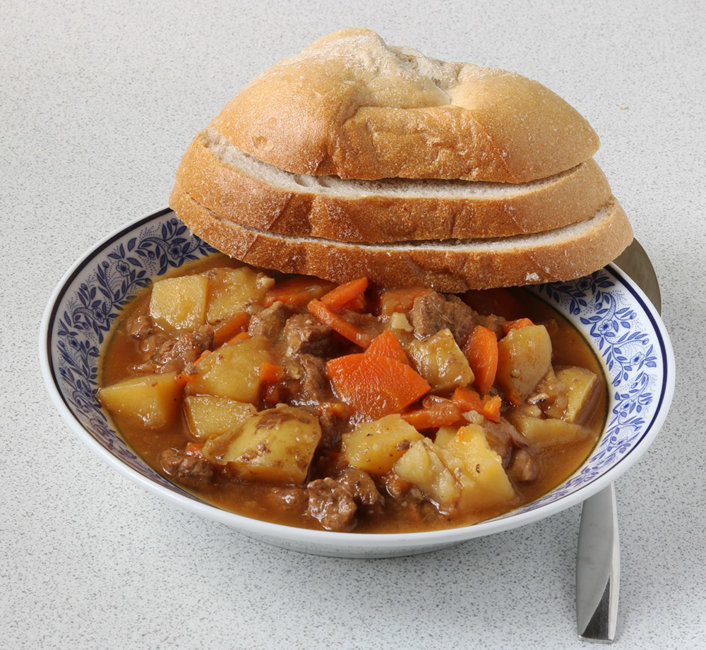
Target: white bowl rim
pixel 372 542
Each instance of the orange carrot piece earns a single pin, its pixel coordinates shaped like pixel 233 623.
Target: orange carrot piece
pixel 470 400
pixel 242 336
pixel 337 324
pixel 183 378
pixel 400 300
pixel 345 293
pixel 229 328
pixel 435 413
pixel 375 386
pixel 357 304
pixel 513 397
pixel 297 291
pixel 517 324
pixel 194 449
pixel 271 373
pixel 481 350
pixel 387 345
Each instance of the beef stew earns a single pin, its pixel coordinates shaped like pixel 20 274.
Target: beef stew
pixel 351 407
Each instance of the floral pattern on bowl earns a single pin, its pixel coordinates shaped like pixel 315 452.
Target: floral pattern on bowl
pixel 610 311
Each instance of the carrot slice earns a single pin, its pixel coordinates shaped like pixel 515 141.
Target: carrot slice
pixel 345 293
pixel 387 345
pixel 374 385
pixel 513 397
pixel 517 324
pixel 229 328
pixel 242 336
pixel 297 291
pixel 271 373
pixel 481 350
pixel 470 400
pixel 400 300
pixel 337 324
pixel 183 378
pixel 194 449
pixel 435 413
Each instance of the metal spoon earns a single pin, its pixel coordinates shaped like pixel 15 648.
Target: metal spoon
pixel 598 558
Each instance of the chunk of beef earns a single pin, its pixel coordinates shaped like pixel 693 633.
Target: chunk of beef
pixel 361 486
pixel 396 487
pixel 523 468
pixel 313 381
pixel 364 321
pixel 305 334
pixel 139 325
pixel 270 321
pixel 192 471
pixel 500 436
pixel 331 504
pixel 334 418
pixel 180 353
pixel 433 312
pixel 493 322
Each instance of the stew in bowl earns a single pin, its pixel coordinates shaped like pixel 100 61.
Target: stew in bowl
pixel 303 413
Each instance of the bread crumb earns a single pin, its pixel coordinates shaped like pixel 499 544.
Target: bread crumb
pixel 622 107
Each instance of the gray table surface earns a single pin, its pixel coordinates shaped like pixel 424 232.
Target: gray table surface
pixel 99 100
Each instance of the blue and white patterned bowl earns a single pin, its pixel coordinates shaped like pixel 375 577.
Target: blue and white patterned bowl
pixel 611 312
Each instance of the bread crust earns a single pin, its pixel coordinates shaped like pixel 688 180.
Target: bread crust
pixel 352 106
pixel 451 266
pixel 238 194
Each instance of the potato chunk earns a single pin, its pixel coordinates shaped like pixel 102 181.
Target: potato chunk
pixel 582 392
pixel 547 431
pixel 441 362
pixel 209 416
pixel 232 371
pixel 232 290
pixel 484 483
pixel 274 445
pixel 151 399
pixel 459 472
pixel 179 303
pixel 524 357
pixel 423 466
pixel 376 446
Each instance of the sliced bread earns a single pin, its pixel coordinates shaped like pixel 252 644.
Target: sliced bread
pixel 242 189
pixel 450 265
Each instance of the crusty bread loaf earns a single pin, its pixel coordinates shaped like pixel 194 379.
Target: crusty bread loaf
pixel 352 106
pixel 451 265
pixel 242 189
pixel 355 158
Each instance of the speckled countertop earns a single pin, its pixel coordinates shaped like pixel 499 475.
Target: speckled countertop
pixel 98 103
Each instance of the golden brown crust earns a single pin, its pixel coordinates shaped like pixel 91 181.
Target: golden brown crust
pixel 564 254
pixel 235 192
pixel 352 106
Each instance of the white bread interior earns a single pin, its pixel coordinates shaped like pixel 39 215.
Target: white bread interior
pixel 243 189
pixel 450 265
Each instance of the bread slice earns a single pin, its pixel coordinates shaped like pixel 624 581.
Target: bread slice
pixel 242 189
pixel 451 265
pixel 352 106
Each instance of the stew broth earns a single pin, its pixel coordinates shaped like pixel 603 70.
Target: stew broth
pixel 124 356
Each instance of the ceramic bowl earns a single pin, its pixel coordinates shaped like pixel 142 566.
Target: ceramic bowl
pixel 612 313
